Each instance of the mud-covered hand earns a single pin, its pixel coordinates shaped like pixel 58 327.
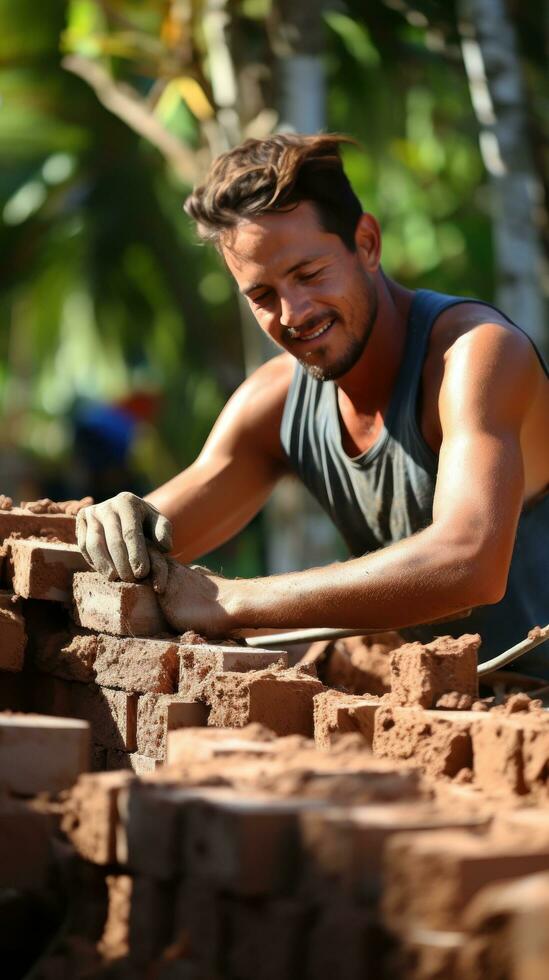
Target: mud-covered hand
pixel 191 597
pixel 113 536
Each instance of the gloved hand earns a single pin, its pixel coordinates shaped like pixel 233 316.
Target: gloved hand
pixel 113 536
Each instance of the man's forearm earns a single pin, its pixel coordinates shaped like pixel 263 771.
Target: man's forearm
pixel 417 580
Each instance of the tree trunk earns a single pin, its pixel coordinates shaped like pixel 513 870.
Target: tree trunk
pixel 300 534
pixel 493 69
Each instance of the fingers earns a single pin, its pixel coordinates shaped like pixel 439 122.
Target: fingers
pixel 159 529
pixel 160 570
pixel 111 536
pixel 132 513
pixel 81 535
pixel 96 551
pixel 117 546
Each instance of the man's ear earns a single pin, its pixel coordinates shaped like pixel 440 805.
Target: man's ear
pixel 368 241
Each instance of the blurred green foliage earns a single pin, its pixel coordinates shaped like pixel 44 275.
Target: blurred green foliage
pixel 104 290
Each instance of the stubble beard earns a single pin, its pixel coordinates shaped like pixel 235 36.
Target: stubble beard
pixel 353 351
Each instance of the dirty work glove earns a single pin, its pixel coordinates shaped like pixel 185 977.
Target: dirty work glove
pixel 113 536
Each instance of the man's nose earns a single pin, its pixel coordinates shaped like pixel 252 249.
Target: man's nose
pixel 295 307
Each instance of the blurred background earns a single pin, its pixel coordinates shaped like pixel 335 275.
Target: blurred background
pixel 120 336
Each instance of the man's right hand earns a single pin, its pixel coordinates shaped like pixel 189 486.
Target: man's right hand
pixel 113 536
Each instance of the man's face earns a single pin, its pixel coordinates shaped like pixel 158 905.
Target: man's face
pixel 307 291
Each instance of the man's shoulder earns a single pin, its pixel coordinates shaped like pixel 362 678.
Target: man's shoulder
pixel 258 405
pixel 472 323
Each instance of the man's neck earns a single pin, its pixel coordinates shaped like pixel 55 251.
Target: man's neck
pixel 366 389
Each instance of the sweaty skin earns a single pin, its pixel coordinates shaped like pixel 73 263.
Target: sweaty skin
pixel 483 408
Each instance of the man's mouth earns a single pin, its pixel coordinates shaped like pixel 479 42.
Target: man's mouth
pixel 313 333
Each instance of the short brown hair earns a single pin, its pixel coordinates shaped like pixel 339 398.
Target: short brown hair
pixel 277 173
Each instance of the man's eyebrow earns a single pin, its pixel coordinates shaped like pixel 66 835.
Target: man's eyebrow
pixel 297 265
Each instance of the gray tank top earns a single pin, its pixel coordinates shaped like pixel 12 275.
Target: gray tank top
pixel 386 493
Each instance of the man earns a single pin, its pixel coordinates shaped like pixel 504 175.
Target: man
pixel 419 421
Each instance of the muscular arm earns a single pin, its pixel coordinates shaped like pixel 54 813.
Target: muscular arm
pixel 462 558
pixel 207 503
pixel 215 497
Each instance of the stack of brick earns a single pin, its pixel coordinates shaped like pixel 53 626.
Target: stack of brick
pixel 434 716
pixel 103 652
pixel 214 865
pixel 252 847
pixel 37 755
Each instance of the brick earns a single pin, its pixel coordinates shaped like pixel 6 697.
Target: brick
pixel 511 754
pixel 13 640
pixel 112 715
pixel 201 923
pixel 353 955
pixel 115 941
pixel 360 664
pixel 26 524
pixel 44 569
pixel 151 918
pixel 120 608
pixel 141 765
pixel 336 713
pixel 159 714
pixel 99 759
pixel 343 846
pixel 201 744
pixel 506 929
pixel 13 691
pixel 40 754
pixel 25 845
pixel 528 934
pixel 67 653
pixel 266 938
pixel 151 827
pixel 280 700
pixel 49 695
pixel 91 815
pixel 430 878
pixel 139 920
pixel 421 674
pixel 244 844
pixel 438 741
pixel 137 665
pixel 198 663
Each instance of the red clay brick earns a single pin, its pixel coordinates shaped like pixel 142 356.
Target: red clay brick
pixel 266 938
pixel 26 524
pixel 438 741
pixel 421 674
pixel 280 700
pixel 91 815
pixel 132 664
pixel 25 845
pixel 511 754
pixel 112 715
pixel 120 608
pixel 336 713
pixel 158 714
pixel 151 832
pixel 246 845
pixel 432 877
pixel 13 640
pixel 344 846
pixel 39 754
pixel 200 662
pixel 44 569
pixel 141 765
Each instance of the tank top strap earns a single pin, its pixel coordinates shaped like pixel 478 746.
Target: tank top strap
pixel 426 307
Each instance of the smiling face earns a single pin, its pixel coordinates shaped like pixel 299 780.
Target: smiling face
pixel 308 292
